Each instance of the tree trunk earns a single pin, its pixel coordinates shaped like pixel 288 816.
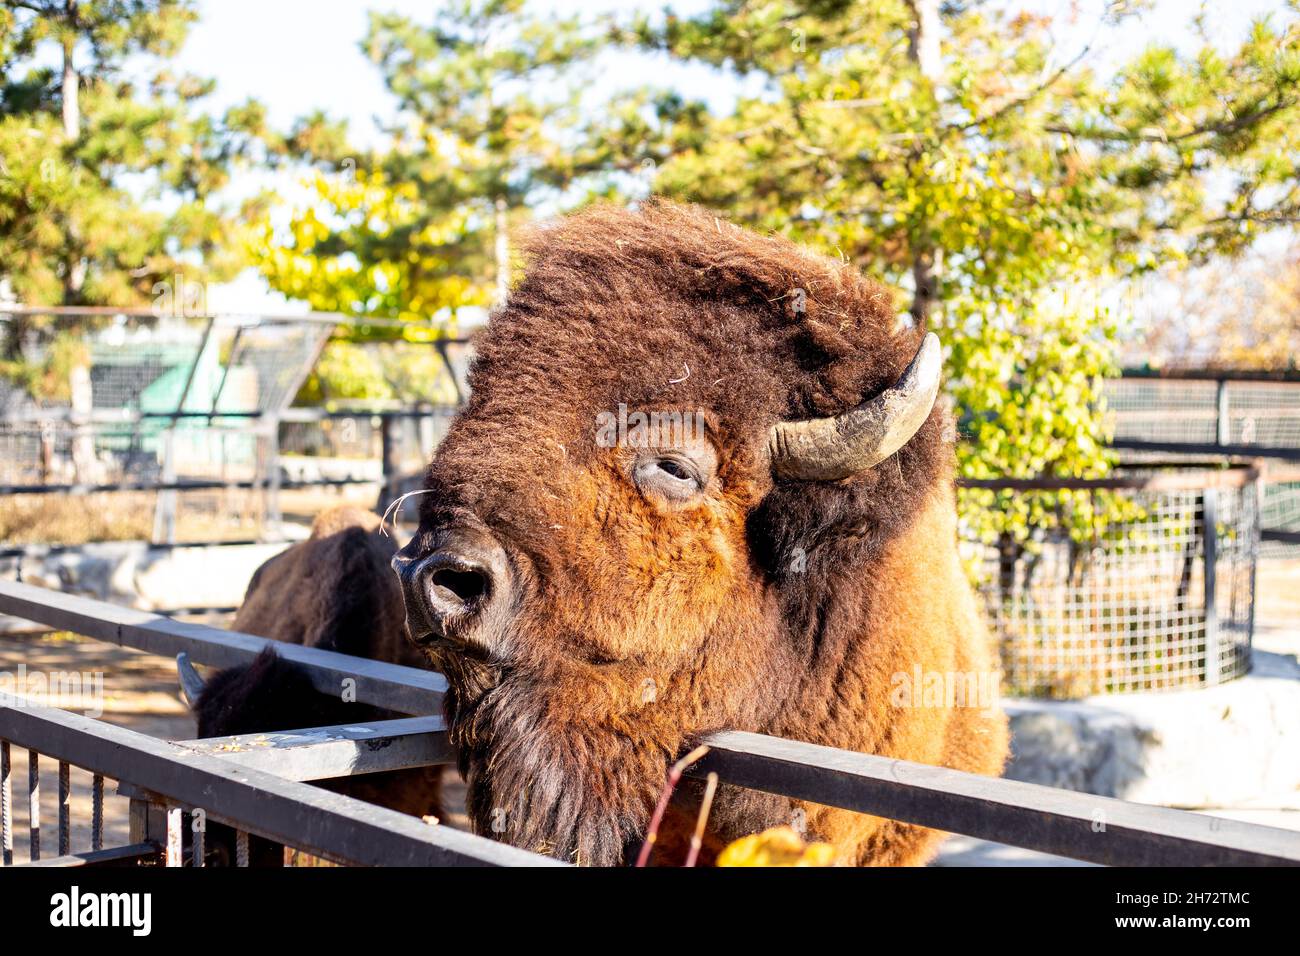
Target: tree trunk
pixel 923 49
pixel 925 270
pixel 74 275
pixel 923 38
pixel 502 248
pixel 71 82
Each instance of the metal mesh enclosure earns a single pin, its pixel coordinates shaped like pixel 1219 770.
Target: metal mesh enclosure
pixel 113 405
pixel 120 402
pixel 1152 590
pixel 1204 411
pixel 1163 410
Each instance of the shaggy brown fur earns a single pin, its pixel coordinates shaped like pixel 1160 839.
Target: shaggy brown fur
pixel 335 591
pixel 783 607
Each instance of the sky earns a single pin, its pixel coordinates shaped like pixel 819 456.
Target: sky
pixel 297 56
pixel 301 55
pixel 304 55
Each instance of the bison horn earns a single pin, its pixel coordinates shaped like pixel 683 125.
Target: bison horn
pixel 827 449
pixel 191 683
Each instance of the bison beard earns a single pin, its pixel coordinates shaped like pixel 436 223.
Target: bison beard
pixel 538 780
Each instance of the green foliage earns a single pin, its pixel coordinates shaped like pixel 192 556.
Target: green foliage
pixel 346 372
pixel 995 183
pixel 1028 390
pixel 488 113
pixel 48 378
pixel 394 370
pixel 108 186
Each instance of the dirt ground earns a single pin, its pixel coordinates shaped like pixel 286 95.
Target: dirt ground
pixel 139 693
pixel 1277 593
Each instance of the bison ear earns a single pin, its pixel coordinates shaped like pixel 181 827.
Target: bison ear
pixel 828 449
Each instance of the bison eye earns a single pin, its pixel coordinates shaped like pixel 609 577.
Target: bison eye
pixel 677 476
pixel 674 468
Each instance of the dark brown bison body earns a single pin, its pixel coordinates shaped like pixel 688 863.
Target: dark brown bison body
pixel 597 605
pixel 335 591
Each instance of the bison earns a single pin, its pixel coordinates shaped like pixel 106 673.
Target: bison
pixel 701 482
pixel 334 591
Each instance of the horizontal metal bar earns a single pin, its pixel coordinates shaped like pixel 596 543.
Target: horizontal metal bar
pixel 407 690
pixel 318 753
pixel 1208 448
pixel 1180 481
pixel 130 855
pixel 297 415
pixel 1214 375
pixel 1279 535
pixel 286 811
pixel 53 550
pixel 1061 822
pixel 317 318
pixel 195 485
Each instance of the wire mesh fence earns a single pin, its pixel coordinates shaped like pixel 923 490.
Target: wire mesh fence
pixel 1143 582
pixel 1206 411
pixel 175 428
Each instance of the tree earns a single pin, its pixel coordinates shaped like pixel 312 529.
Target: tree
pixel 485 132
pixel 955 152
pixel 109 185
pixel 1232 314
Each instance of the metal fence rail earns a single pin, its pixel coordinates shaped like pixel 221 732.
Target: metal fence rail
pixel 1062 822
pixel 259 790
pixel 256 802
pixel 407 690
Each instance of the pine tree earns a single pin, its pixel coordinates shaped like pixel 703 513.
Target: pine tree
pixel 110 182
pixel 956 152
pixel 486 128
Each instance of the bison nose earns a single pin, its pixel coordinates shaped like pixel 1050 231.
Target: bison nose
pixel 458 591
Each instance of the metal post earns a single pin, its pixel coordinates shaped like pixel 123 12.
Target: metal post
pixel 1210 555
pixel 389 456
pixel 1255 495
pixel 65 811
pixel 34 802
pixel 175 835
pixel 273 515
pixel 197 840
pixel 441 346
pixel 6 804
pixel 164 518
pixel 225 371
pixel 97 812
pixel 1222 424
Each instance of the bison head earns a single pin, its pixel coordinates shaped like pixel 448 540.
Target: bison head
pixel 663 511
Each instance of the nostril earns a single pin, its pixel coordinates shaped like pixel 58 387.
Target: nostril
pixel 459 585
pixel 459 591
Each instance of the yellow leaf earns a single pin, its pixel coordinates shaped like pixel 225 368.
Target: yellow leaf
pixel 779 846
